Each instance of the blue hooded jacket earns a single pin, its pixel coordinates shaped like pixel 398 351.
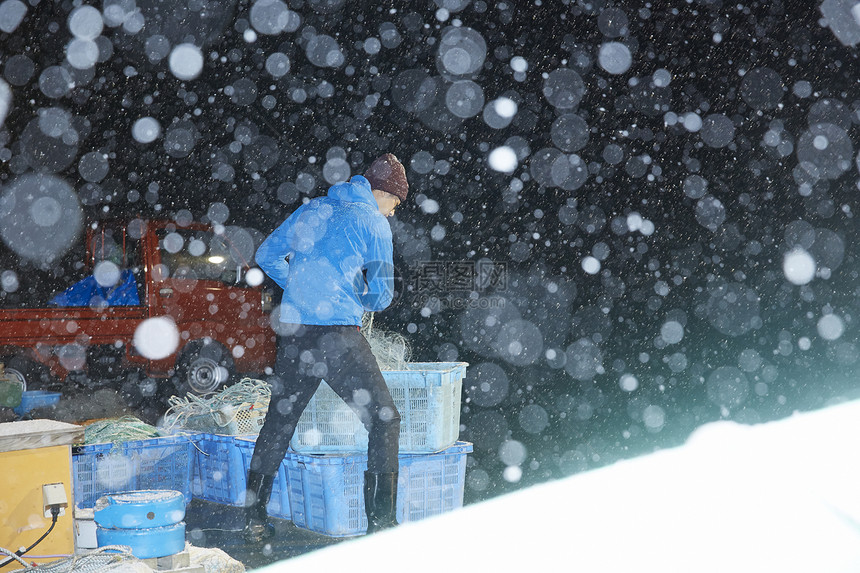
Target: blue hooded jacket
pixel 332 257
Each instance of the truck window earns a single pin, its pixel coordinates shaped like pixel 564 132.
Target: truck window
pixel 198 255
pixel 113 275
pixel 114 243
pixel 116 246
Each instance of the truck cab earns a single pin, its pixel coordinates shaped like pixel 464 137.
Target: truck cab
pixel 194 281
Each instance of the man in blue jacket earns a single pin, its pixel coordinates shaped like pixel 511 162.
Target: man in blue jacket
pixel 333 258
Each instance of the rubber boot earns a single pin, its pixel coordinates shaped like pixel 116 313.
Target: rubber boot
pixel 257 494
pixel 380 500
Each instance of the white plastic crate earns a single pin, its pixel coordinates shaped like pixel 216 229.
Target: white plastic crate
pixel 427 395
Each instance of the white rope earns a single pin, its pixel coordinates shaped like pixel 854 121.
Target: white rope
pixel 390 349
pixel 14 556
pixel 107 558
pixel 246 392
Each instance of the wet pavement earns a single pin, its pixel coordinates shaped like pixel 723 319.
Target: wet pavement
pixel 210 524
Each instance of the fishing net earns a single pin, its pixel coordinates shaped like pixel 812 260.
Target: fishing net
pixel 238 409
pixel 119 559
pixel 119 430
pixel 391 350
pixel 213 560
pixel 111 558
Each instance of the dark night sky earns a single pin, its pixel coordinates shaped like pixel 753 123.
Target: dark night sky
pixel 579 368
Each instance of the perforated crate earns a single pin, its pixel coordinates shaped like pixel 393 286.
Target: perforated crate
pixel 221 469
pixel 218 470
pixel 279 503
pixel 427 395
pixel 232 420
pixel 155 463
pixel 163 463
pixel 98 469
pixel 326 492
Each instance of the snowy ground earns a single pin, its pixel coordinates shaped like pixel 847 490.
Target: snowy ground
pixel 780 496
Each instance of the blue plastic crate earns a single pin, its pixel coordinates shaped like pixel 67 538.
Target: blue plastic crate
pixel 155 463
pixel 219 473
pixel 98 469
pixel 326 492
pixel 221 469
pixel 279 503
pixel 427 395
pixel 31 399
pixel 163 463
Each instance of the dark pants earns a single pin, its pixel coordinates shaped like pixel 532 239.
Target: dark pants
pixel 341 356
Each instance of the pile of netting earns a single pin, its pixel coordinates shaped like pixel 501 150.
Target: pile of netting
pixel 119 430
pixel 119 559
pixel 390 349
pixel 238 409
pixel 111 558
pixel 213 560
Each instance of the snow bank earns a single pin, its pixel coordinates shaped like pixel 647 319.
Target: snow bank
pixel 782 496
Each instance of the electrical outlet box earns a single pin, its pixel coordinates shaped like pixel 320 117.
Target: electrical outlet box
pixel 54 494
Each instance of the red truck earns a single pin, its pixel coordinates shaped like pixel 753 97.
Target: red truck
pixel 211 310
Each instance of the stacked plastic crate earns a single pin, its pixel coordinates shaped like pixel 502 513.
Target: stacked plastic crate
pixel 154 463
pixel 221 469
pixel 222 459
pixel 325 469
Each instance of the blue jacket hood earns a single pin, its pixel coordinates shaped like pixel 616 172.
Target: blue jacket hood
pixel 356 190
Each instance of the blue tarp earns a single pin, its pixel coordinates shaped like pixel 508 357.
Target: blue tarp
pixel 82 292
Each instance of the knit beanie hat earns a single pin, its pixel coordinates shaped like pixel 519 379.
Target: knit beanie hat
pixel 386 173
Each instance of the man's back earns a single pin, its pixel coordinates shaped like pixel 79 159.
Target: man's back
pixel 329 244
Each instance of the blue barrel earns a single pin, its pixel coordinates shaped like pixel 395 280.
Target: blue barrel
pixel 147 542
pixel 140 509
